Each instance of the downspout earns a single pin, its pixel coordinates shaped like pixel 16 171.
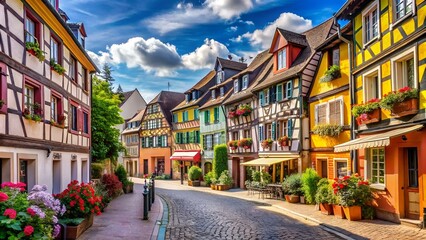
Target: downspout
pixel 301 140
pixel 90 142
pixel 354 153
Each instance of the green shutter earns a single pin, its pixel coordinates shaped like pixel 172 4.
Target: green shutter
pixel 206 117
pixel 273 130
pixel 142 142
pixel 197 136
pixel 196 114
pixel 260 133
pixel 289 89
pixel 150 142
pixel 192 137
pixel 279 93
pixel 159 138
pixel 222 139
pixel 204 142
pixel 290 128
pixel 216 114
pixel 261 99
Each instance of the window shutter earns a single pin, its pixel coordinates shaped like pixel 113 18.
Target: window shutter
pixel 204 142
pixel 273 131
pixel 290 128
pixel 261 98
pixel 316 114
pixel 222 138
pixel 260 133
pixel 289 89
pixel 159 140
pixel 273 92
pixel 279 93
pixel 142 142
pixel 150 142
pixel 341 116
pixel 188 138
pixel 197 134
pixel 177 138
pixel 216 114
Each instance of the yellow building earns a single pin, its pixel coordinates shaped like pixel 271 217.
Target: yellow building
pixel 330 109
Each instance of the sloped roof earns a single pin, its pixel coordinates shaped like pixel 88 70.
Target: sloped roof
pixel 138 116
pixel 314 37
pixel 168 100
pixel 218 100
pixel 229 64
pixel 292 37
pixel 210 75
pixel 127 96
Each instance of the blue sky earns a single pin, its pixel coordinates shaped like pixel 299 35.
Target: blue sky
pixel 152 42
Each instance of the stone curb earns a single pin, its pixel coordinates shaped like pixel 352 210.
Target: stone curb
pixel 164 220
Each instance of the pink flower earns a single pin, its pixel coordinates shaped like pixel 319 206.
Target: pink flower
pixel 28 230
pixel 11 213
pixel 3 197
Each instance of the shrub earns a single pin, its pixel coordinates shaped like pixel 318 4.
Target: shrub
pixel 208 178
pixel 256 176
pixel 101 191
pixel 225 178
pixel 292 185
pixel 97 169
pixel 112 184
pixel 220 159
pixel 121 174
pixel 324 192
pixel 310 180
pixel 265 177
pixel 195 173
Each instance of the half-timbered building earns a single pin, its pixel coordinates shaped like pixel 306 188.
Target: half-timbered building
pixel 156 134
pixel 131 143
pixel 45 92
pixel 282 100
pixel 241 111
pixel 389 63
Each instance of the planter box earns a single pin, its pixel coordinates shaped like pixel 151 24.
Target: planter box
pixel 326 208
pixel 73 232
pixel 222 187
pixel 353 213
pixel 338 211
pixel 372 117
pixel 292 198
pixel 405 108
pixel 196 183
pixel 189 183
pixel 213 186
pixel 128 188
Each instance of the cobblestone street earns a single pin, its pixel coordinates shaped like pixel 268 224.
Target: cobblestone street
pixel 200 215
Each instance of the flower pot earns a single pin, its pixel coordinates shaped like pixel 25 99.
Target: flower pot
pixel 189 183
pixel 196 183
pixel 326 208
pixel 213 186
pixel 292 198
pixel 370 117
pixel 338 211
pixel 222 187
pixel 128 188
pixel 352 213
pixel 405 108
pixel 73 232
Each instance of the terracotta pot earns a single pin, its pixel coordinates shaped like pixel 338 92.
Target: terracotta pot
pixel 292 198
pixel 352 213
pixel 338 211
pixel 372 117
pixel 326 208
pixel 222 187
pixel 213 187
pixel 73 232
pixel 405 108
pixel 189 183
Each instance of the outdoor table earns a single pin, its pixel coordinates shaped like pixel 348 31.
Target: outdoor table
pixel 275 188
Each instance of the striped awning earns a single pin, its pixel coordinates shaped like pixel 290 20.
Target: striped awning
pixel 375 140
pixel 186 156
pixel 265 161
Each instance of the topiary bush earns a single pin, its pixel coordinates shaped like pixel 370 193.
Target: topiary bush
pixel 195 173
pixel 292 185
pixel 121 173
pixel 97 169
pixel 310 179
pixel 220 159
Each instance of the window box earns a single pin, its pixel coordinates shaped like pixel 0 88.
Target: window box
pixel 61 121
pixel 402 102
pixel 332 73
pixel 56 67
pixel 244 110
pixel 245 143
pixel 369 117
pixel 283 141
pixel 330 130
pixel 368 112
pixel 35 115
pixel 267 143
pixel 34 49
pixel 232 114
pixel 233 144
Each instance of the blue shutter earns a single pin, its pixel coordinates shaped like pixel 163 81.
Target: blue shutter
pixel 290 128
pixel 279 94
pixel 289 89
pixel 273 131
pixel 261 98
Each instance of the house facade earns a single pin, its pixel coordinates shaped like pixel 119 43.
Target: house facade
pixel 186 127
pixel 45 92
pixel 242 118
pixel 212 114
pixel 131 143
pixel 156 134
pixel 389 46
pixel 282 99
pixel 330 110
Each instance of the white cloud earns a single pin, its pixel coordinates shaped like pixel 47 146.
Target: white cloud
pixel 205 55
pixel 288 21
pixel 183 5
pixel 228 9
pixel 100 58
pixel 233 28
pixel 236 39
pixel 246 22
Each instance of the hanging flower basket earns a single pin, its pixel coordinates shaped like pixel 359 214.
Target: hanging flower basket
pixel 402 102
pixel 233 144
pixel 245 143
pixel 267 143
pixel 283 141
pixel 244 110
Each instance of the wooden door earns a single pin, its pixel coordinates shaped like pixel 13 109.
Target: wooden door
pixel 411 188
pixel 145 166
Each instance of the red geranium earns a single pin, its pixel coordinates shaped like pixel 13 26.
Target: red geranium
pixel 31 212
pixel 3 197
pixel 28 230
pixel 11 213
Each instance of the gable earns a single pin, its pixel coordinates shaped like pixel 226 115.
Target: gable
pixel 278 42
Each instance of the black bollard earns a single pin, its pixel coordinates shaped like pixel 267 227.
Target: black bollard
pixel 181 172
pixel 145 202
pixel 153 190
pixel 149 195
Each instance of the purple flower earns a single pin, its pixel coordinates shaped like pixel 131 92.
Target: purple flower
pixel 56 230
pixel 39 212
pixel 40 197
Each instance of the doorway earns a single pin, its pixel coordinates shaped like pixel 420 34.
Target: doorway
pixel 145 166
pixel 411 184
pixel 160 166
pixel 27 173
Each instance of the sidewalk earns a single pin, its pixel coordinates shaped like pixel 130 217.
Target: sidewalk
pixel 122 218
pixel 365 229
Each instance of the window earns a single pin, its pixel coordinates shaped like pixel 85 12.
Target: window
pixel 330 112
pixel 261 98
pixel 54 49
pixel 341 167
pixel 216 139
pixel 175 118
pixel 266 96
pixel 197 136
pixel 282 59
pixel 188 97
pixel 208 142
pixel 279 92
pixel 3 87
pixel 235 135
pixel 54 108
pixel 219 77
pixel 29 98
pixel 32 98
pixel 86 125
pixel 371 85
pixel 73 117
pixel 196 114
pixel 403 8
pixel 54 3
pixel 216 114
pixel 155 108
pixel 85 82
pixel 245 81
pixel 268 128
pixel 288 89
pixel 164 141
pixel 222 91
pixel 73 69
pixel 334 57
pixel 377 156
pixel 213 93
pixel 370 24
pixel 236 86
pixel 404 71
pixel 31 29
pixel 283 128
pixel 247 133
pixel 194 95
pixel 185 116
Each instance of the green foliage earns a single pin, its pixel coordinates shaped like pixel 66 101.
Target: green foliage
pixel 256 176
pixel 195 173
pixel 292 185
pixel 324 192
pixel 332 73
pixel 208 177
pixel 266 177
pixel 331 130
pixel 368 212
pixel 121 173
pixel 34 48
pixel 310 180
pixel 401 95
pixel 57 67
pixel 220 159
pixel 101 190
pixel 71 221
pixel 97 170
pixel 352 191
pixel 225 178
pixel 1 103
pixel 367 107
pixel 163 177
pixel 105 115
pixel 106 75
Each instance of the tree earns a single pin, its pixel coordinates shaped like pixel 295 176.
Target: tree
pixel 220 159
pixel 105 115
pixel 106 74
pixel 120 93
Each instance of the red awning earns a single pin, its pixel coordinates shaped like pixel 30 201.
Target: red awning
pixel 194 155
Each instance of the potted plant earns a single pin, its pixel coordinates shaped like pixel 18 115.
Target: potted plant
pixel 208 178
pixel 56 67
pixel 225 181
pixel 194 175
pixel 292 187
pixel 402 102
pixel 35 115
pixel 324 196
pixel 283 141
pixel 353 193
pixel 330 130
pixel 245 143
pixel 368 112
pixel 34 49
pixel 332 73
pixel 244 110
pixel 233 144
pixel 310 180
pixel 213 184
pixel 267 143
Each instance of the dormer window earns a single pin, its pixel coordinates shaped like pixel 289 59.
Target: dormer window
pixel 222 91
pixel 219 77
pixel 236 87
pixel 245 81
pixel 188 97
pixel 282 59
pixel 213 94
pixel 195 95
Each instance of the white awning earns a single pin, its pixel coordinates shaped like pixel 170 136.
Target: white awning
pixel 375 140
pixel 265 161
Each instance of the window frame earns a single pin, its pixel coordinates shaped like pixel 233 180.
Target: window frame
pixel 219 76
pixel 370 168
pixel 73 73
pixel 38 94
pixel 236 86
pixel 245 82
pixel 71 116
pixel 3 87
pixel 37 27
pixel 406 15
pixel 367 12
pixel 283 58
pixel 196 114
pixel 59 49
pixel 335 160
pixel 410 53
pixel 367 77
pixel 342 115
pixel 283 131
pixel 266 97
pixel 85 80
pixel 213 94
pixel 89 124
pixel 222 91
pixel 60 104
pixel 331 56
